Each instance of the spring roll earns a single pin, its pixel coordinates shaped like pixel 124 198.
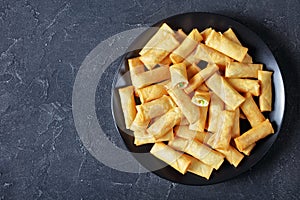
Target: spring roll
pixel 175 159
pixel 265 99
pixel 159 52
pixel 216 106
pixel 165 123
pixel 192 70
pixel 186 133
pixel 253 135
pixel 231 35
pixel 201 98
pixel 163 32
pixel 186 47
pixel 224 91
pixel 151 92
pixel 224 45
pixel 232 155
pixel 199 168
pixel 166 62
pixel 152 76
pixel 242 70
pixel 135 66
pixel 235 131
pixel 245 85
pixel 128 104
pixel 180 35
pixel 206 33
pixel 179 76
pixel 221 139
pixel 184 121
pixel 156 107
pixel 251 111
pixel 142 137
pixel 183 101
pixel 203 88
pixel 248 150
pixel 200 77
pixel 139 123
pixel 242 115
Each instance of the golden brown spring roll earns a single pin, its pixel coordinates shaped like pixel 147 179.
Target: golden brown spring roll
pixel 231 35
pixel 163 32
pixel 248 150
pixel 165 122
pixel 183 101
pixel 224 45
pixel 251 111
pixel 235 131
pixel 180 35
pixel 140 122
pixel 128 104
pixel 175 159
pixel 245 85
pixel 179 76
pixel 233 156
pixel 242 115
pixel 135 66
pixel 224 91
pixel 152 76
pixel 206 33
pixel 186 133
pixel 253 135
pixel 216 106
pixel 156 107
pixel 242 70
pixel 151 92
pixel 265 99
pixel 159 52
pixel 192 70
pixel 199 168
pixel 142 137
pixel 165 62
pixel 201 98
pixel 222 137
pixel 203 88
pixel 186 47
pixel 200 77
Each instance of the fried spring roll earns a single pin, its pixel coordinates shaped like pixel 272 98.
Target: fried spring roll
pixel 231 35
pixel 201 98
pixel 166 62
pixel 180 35
pixel 222 137
pixel 175 159
pixel 233 156
pixel 184 132
pixel 183 101
pixel 248 150
pixel 253 135
pixel 184 121
pixel 140 122
pixel 179 76
pixel 149 77
pixel 200 77
pixel 151 92
pixel 192 70
pixel 235 131
pixel 135 66
pixel 128 104
pixel 224 91
pixel 163 32
pixel 203 88
pixel 242 70
pixel 165 122
pixel 186 47
pixel 206 33
pixel 142 137
pixel 159 52
pixel 265 99
pixel 216 106
pixel 251 111
pixel 245 85
pixel 224 45
pixel 156 107
pixel 199 168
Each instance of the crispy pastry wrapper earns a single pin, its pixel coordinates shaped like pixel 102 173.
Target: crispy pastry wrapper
pixel 265 99
pixel 216 106
pixel 179 75
pixel 165 122
pixel 135 66
pixel 205 33
pixel 199 168
pixel 245 85
pixel 242 70
pixel 248 150
pixel 141 137
pixel 224 91
pixel 253 135
pixel 200 77
pixel 235 131
pixel 251 111
pixel 163 32
pixel 201 98
pixel 139 123
pixel 232 155
pixel 192 70
pixel 183 101
pixel 186 47
pixel 180 35
pixel 151 92
pixel 128 104
pixel 183 131
pixel 175 159
pixel 224 45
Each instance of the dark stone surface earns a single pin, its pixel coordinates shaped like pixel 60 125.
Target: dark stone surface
pixel 43 43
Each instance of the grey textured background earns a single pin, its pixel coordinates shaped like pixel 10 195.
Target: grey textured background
pixel 42 44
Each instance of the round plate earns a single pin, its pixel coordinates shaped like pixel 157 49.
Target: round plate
pixel 260 54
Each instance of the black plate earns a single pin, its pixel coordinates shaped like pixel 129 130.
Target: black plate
pixel 260 53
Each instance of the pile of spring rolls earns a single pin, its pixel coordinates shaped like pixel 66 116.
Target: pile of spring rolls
pixel 193 115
